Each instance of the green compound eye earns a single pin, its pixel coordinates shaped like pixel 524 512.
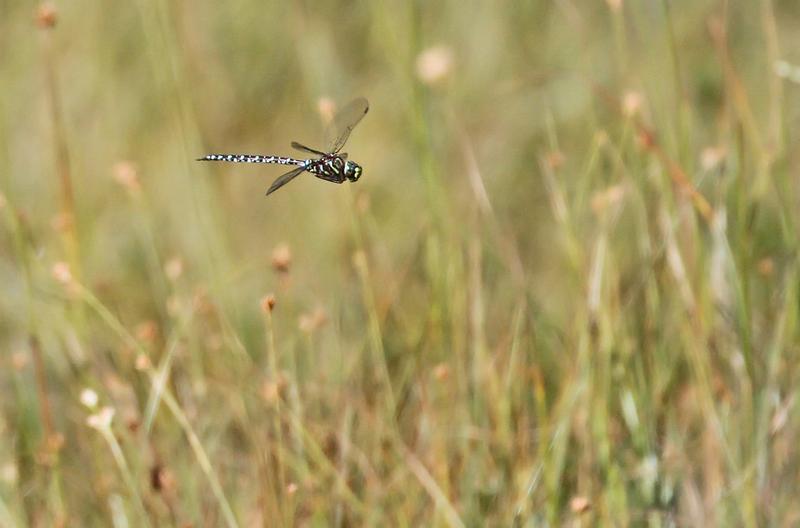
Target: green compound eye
pixel 355 173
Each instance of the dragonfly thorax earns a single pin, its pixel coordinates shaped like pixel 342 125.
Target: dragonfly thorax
pixel 334 168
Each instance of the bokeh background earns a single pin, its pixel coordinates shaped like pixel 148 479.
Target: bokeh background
pixel 564 292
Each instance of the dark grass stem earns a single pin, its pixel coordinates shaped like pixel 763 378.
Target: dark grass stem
pixel 68 225
pixel 68 220
pixel 275 453
pixel 374 329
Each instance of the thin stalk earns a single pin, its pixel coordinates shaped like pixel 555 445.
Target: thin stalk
pixel 122 464
pixel 194 441
pixel 60 148
pixel 274 374
pixel 368 298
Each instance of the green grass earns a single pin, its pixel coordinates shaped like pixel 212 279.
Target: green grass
pixel 564 292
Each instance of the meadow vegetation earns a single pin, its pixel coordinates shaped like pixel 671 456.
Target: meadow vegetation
pixel 564 292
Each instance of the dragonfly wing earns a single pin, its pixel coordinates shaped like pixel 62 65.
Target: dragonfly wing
pixel 303 148
pixel 344 122
pixel 282 180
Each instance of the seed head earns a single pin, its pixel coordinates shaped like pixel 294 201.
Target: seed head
pixel 434 64
pixel 142 362
pixel 9 473
pixel 46 15
pixel 632 103
pixel 555 159
pixel 147 331
pixel 101 419
pixel 268 303
pixel 579 504
pixel 89 398
pixel 274 389
pixel 127 176
pixel 174 268
pixel 61 273
pixel 766 266
pixel 712 157
pixel 281 258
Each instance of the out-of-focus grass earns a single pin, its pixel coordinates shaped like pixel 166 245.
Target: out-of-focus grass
pixel 565 290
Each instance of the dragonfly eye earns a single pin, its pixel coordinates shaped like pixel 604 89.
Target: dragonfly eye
pixel 352 171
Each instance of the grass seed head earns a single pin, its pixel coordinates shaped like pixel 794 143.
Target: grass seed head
pixel 62 273
pixel 766 266
pixel 101 419
pixel 173 269
pixel 712 157
pixel 555 160
pixel 147 331
pixel 441 371
pixel 579 504
pixel 46 15
pixel 9 474
pixel 268 303
pixel 142 362
pixel 281 258
pixel 434 64
pixel 126 175
pixel 89 398
pixel 632 103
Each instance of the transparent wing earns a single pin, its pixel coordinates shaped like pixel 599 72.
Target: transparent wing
pixel 282 180
pixel 303 148
pixel 344 122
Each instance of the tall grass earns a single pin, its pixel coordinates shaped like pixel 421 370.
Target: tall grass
pixel 564 292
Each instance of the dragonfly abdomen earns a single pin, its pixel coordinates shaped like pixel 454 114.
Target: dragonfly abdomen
pixel 253 158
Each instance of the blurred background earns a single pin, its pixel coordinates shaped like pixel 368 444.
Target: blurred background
pixel 564 291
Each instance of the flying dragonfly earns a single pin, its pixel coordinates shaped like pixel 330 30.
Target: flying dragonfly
pixel 331 165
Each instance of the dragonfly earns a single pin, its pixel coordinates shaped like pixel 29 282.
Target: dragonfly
pixel 330 165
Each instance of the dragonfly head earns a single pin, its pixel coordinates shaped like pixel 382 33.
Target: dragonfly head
pixel 352 170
